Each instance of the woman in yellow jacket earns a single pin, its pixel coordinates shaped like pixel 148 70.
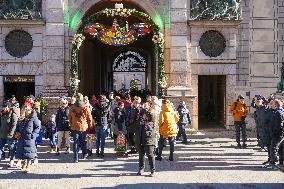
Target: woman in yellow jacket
pixel 168 128
pixel 239 111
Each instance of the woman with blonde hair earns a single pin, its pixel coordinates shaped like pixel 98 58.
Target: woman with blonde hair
pixel 26 133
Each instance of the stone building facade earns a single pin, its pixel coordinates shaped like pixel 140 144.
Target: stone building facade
pixel 250 63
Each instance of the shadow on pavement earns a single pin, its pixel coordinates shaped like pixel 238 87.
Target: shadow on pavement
pixel 196 186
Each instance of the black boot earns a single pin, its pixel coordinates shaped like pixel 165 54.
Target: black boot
pixel 159 158
pixel 140 172
pixel 97 153
pixel 152 174
pixel 89 153
pixel 239 145
pixel 102 154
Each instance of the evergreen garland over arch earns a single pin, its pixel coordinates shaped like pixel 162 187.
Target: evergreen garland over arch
pixel 158 40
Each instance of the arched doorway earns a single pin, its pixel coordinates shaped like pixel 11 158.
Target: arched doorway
pixel 102 44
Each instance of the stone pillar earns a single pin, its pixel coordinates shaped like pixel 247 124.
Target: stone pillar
pixel 180 68
pixel 264 63
pixel 179 65
pixel 54 46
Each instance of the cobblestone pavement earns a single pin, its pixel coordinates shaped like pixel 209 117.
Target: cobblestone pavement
pixel 209 161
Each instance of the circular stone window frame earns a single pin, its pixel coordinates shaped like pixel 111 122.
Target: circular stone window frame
pixel 24 46
pixel 208 49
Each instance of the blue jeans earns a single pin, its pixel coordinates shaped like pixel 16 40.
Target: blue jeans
pixel 2 144
pixel 12 144
pixel 52 141
pixel 79 138
pixel 100 138
pixel 181 132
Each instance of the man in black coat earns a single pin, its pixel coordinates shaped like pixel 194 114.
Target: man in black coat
pixel 276 131
pixel 62 124
pixel 259 116
pixel 145 138
pixel 101 114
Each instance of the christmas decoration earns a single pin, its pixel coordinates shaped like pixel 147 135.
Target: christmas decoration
pixel 134 85
pixel 78 40
pixel 163 83
pixel 117 36
pixel 41 107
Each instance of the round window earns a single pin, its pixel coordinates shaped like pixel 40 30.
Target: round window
pixel 18 43
pixel 212 43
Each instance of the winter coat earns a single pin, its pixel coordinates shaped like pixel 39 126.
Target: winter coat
pixel 239 111
pixel 133 122
pixel 259 115
pixel 264 130
pixel 8 125
pixel 276 123
pixel 184 117
pixel 168 120
pixel 61 120
pixel 101 114
pixel 146 132
pixel 80 118
pixel 119 121
pixel 29 129
pixel 50 128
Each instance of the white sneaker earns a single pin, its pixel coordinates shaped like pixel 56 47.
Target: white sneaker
pixel 67 150
pixel 11 163
pixel 35 161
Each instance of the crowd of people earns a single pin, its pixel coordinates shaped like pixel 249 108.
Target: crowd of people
pixel 269 121
pixel 136 126
pixel 143 126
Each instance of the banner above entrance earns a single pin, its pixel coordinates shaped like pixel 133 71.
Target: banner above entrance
pixel 18 79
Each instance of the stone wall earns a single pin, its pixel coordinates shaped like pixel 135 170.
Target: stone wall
pixel 29 65
pixel 259 51
pixel 225 64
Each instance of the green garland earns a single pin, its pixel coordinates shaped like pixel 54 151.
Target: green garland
pixel 158 39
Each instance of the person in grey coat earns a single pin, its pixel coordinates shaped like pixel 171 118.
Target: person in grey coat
pixel 8 124
pixel 26 133
pixel 146 138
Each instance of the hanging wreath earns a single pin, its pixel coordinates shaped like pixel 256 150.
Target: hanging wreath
pixel 91 26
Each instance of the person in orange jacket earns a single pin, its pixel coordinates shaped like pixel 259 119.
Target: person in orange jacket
pixel 168 120
pixel 239 111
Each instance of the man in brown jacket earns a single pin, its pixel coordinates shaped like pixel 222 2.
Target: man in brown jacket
pixel 80 119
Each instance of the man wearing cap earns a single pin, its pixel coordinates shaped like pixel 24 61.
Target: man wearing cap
pixel 239 111
pixel 80 119
pixel 8 125
pixel 62 124
pixel 259 116
pixel 101 115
